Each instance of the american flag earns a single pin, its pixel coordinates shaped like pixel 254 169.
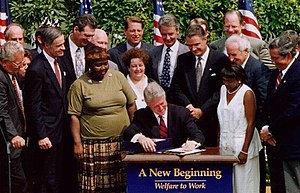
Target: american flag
pixel 5 19
pixel 251 27
pixel 86 7
pixel 158 12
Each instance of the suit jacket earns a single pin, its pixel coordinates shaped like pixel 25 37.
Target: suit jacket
pixel 180 125
pixel 45 101
pixel 117 52
pixel 13 122
pixel 184 89
pixel 282 112
pixel 257 79
pixel 260 50
pixel 68 65
pixel 155 55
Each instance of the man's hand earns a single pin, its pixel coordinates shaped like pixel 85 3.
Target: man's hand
pixel 17 142
pixel 190 145
pixel 45 143
pixel 147 143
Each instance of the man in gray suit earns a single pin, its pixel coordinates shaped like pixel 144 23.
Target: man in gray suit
pixel 134 30
pixel 12 117
pixel 169 29
pixel 233 24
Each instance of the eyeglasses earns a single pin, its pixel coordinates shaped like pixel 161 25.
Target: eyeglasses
pixel 18 64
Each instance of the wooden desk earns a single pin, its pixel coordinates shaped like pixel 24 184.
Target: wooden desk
pixel 209 171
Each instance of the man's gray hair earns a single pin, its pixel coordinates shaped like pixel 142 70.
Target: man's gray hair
pixel 284 44
pixel 168 21
pixel 153 90
pixel 49 34
pixel 10 49
pixel 242 42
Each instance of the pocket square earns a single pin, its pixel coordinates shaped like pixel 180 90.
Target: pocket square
pixel 213 74
pixel 64 73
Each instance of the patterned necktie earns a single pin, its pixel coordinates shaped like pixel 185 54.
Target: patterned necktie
pixel 278 80
pixel 57 73
pixel 78 63
pixel 198 72
pixel 165 77
pixel 163 131
pixel 17 91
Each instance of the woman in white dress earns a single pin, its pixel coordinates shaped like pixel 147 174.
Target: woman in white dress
pixel 135 59
pixel 236 114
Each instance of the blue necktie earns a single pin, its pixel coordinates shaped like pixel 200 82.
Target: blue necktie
pixel 165 77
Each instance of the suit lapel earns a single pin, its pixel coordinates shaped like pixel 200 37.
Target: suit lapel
pixel 52 76
pixel 68 60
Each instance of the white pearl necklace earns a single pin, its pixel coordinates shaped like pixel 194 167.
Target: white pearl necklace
pixel 228 92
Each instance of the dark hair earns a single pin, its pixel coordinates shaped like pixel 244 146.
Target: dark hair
pixel 234 71
pixel 135 53
pixel 195 30
pixel 95 54
pixel 132 19
pixel 85 20
pixel 27 54
pixel 49 34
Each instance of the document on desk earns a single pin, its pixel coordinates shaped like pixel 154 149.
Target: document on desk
pixel 180 151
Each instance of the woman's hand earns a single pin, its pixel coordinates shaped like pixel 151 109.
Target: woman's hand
pixel 243 158
pixel 78 151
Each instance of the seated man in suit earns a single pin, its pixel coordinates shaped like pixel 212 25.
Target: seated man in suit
pixel 162 120
pixel 133 30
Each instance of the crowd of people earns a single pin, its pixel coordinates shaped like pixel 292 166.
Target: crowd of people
pixel 66 105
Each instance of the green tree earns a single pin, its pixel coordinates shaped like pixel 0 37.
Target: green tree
pixel 274 16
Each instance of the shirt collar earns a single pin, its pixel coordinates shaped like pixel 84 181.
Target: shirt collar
pixel 128 46
pixel 49 58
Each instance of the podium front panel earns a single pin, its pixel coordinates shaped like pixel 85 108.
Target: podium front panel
pixel 179 177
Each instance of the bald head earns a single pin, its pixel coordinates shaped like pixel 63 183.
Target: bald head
pixel 100 39
pixel 14 32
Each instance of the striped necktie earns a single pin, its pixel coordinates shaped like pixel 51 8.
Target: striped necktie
pixel 278 80
pixel 163 131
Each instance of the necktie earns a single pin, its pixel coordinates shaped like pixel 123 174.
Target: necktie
pixel 165 77
pixel 17 91
pixel 78 63
pixel 278 80
pixel 198 72
pixel 57 72
pixel 163 131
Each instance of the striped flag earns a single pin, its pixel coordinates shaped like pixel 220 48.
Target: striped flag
pixel 86 7
pixel 158 12
pixel 5 19
pixel 251 27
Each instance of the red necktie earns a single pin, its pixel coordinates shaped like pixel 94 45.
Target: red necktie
pixel 278 80
pixel 163 131
pixel 57 72
pixel 17 91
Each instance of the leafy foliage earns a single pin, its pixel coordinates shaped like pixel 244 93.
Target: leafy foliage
pixel 274 16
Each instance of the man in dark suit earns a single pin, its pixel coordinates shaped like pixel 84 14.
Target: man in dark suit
pixel 12 118
pixel 176 120
pixel 282 114
pixel 133 30
pixel 197 81
pixel 234 24
pixel 238 50
pixel 45 108
pixel 168 26
pixel 74 56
